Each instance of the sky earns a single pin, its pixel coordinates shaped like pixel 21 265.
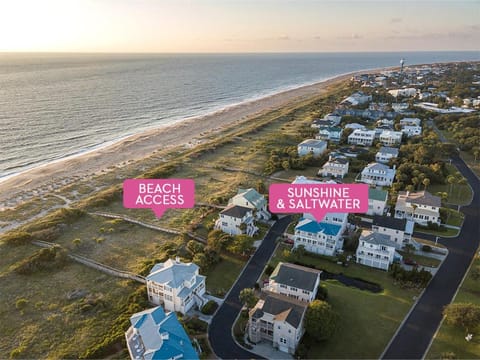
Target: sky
pixel 192 26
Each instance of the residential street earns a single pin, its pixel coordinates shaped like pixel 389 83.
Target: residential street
pixel 414 337
pixel 219 331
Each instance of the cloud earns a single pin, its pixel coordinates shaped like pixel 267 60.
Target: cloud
pixel 396 20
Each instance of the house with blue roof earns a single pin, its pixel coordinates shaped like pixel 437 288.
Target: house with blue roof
pixel 252 199
pixel 318 237
pixel 176 285
pixel 155 334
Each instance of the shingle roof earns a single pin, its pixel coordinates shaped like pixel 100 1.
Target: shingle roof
pixel 172 273
pixel 313 143
pixel 235 211
pixel 388 150
pixel 294 275
pixel 284 308
pixel 422 198
pixel 376 238
pixel 389 222
pixel 314 227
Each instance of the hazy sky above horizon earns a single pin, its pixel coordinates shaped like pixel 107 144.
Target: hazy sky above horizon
pixel 238 26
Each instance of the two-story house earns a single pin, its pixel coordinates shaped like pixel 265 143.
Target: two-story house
pixel 420 207
pixel 155 334
pixel 399 230
pixel 362 137
pixel 312 146
pixel 412 130
pixel 378 174
pixel 318 237
pixel 176 285
pixel 390 138
pixel 410 121
pixel 236 220
pixel 385 154
pixel 252 199
pixel 335 167
pixel 295 281
pixel 332 133
pixel 279 320
pixel 376 250
pixel 377 201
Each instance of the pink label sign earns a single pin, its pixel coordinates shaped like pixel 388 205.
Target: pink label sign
pixel 158 194
pixel 318 199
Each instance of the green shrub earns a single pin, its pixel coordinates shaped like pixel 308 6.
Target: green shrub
pixel 322 293
pixel 49 258
pixel 17 238
pixel 209 308
pixel 21 304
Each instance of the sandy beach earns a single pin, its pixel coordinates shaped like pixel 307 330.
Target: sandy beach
pixel 139 146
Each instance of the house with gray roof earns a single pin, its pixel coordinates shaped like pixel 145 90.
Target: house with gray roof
pixel 175 285
pixel 377 201
pixel 376 250
pixel 278 320
pixel 155 334
pixel 385 154
pixel 295 281
pixel 312 146
pixel 420 206
pixel 399 230
pixel 236 220
pixel 378 174
pixel 252 199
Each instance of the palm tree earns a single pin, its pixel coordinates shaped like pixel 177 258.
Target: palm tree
pixel 425 183
pixel 451 180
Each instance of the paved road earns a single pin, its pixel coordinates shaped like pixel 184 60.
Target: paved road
pixel 219 331
pixel 414 337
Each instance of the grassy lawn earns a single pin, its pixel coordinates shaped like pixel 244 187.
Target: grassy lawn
pixel 459 194
pixel 420 259
pixel 455 218
pixel 452 339
pixel 374 316
pixel 221 277
pixel 446 233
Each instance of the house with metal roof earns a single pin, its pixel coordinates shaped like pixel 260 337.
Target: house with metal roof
pixel 378 174
pixel 385 154
pixel 390 138
pixel 252 199
pixel 295 281
pixel 335 167
pixel 236 220
pixel 376 250
pixel 318 237
pixel 420 206
pixel 312 146
pixel 175 285
pixel 399 230
pixel 361 137
pixel 279 320
pixel 154 334
pixel 332 133
pixel 377 201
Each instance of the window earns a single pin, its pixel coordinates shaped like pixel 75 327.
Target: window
pixel 283 340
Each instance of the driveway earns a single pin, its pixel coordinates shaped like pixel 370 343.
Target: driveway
pixel 219 330
pixel 414 336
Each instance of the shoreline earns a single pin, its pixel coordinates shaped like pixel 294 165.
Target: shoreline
pixel 135 147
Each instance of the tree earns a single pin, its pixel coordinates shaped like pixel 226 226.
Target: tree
pixel 201 260
pixel 464 315
pixel 241 244
pixel 260 186
pixel 425 183
pixel 320 320
pixel 476 153
pixel 451 181
pixel 194 247
pixel 248 298
pixel 409 248
pixel 217 240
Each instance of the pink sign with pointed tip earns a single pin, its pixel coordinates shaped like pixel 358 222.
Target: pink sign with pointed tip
pixel 318 199
pixel 158 194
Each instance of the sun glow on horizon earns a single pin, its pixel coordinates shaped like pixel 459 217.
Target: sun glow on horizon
pixel 236 25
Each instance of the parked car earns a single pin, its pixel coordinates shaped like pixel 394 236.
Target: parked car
pixel 408 261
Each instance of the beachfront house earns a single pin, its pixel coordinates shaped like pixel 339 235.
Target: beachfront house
pixel 361 137
pixel 175 285
pixel 376 250
pixel 420 207
pixel 407 92
pixel 156 334
pixel 377 201
pixel 279 320
pixel 357 98
pixel 318 237
pixel 412 130
pixel 398 230
pixel 390 138
pixel 385 154
pixel 252 199
pixel 378 174
pixel 355 126
pixel 331 133
pixel 410 121
pixel 295 281
pixel 312 146
pixel 335 167
pixel 236 220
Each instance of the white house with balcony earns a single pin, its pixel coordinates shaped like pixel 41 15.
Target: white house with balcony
pixel 398 230
pixel 312 146
pixel 295 281
pixel 318 237
pixel 412 130
pixel 406 92
pixel 252 199
pixel 236 220
pixel 156 334
pixel 378 174
pixel 362 137
pixel 377 201
pixel 332 133
pixel 385 154
pixel 335 167
pixel 376 250
pixel 390 138
pixel 175 285
pixel 410 121
pixel 420 207
pixel 357 98
pixel 278 320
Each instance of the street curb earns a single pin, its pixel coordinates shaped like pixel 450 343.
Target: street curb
pixel 414 305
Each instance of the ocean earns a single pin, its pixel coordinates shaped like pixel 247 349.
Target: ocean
pixel 58 105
